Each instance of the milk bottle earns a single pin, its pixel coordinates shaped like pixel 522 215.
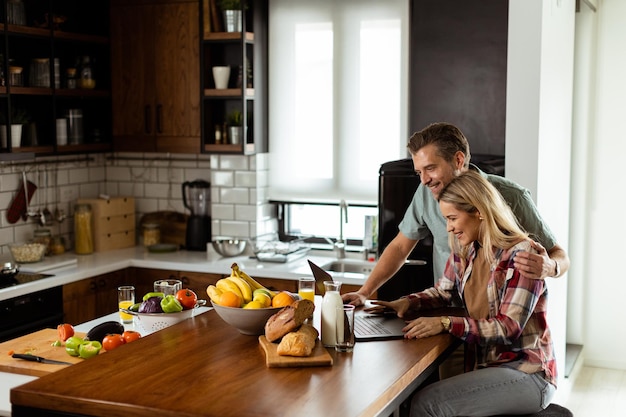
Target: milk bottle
pixel 330 302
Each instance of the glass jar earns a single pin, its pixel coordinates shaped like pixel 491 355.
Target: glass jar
pixel 70 77
pixel 57 245
pixel 151 234
pixel 86 79
pixel 83 240
pixel 43 236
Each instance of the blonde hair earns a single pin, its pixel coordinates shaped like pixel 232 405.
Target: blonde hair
pixel 472 193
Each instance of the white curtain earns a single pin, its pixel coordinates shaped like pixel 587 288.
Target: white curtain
pixel 337 96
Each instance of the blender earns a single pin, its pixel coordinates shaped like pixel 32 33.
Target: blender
pixel 197 198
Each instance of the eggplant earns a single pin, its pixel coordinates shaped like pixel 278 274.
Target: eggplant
pixel 151 305
pixel 103 329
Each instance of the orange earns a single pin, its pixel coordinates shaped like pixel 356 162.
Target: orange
pixel 282 299
pixel 230 299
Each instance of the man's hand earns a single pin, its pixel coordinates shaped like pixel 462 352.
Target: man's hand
pixel 535 265
pixel 400 306
pixel 354 298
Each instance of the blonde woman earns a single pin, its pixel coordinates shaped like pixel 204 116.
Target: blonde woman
pixel 505 327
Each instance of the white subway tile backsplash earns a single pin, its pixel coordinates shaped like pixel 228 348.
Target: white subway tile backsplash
pixel 233 162
pixel 156 190
pixel 223 179
pixel 245 179
pixel 223 211
pixel 234 228
pixel 245 212
pixel 238 188
pixel 234 195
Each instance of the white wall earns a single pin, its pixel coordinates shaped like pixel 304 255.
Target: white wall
pixel 605 248
pixel 538 131
pixel 579 199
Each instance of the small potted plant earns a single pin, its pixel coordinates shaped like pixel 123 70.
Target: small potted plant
pixel 235 126
pixel 18 118
pixel 231 9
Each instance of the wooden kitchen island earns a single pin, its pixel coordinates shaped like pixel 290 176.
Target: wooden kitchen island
pixel 204 367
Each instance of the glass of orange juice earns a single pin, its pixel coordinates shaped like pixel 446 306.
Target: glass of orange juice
pixel 306 288
pixel 125 299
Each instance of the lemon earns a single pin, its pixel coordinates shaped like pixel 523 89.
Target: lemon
pixel 253 304
pixel 263 298
pixel 261 291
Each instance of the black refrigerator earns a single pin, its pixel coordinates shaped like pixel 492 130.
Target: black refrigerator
pixel 396 185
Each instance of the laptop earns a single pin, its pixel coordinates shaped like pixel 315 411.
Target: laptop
pixel 367 326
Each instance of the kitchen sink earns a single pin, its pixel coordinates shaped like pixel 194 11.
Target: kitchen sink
pixel 350 265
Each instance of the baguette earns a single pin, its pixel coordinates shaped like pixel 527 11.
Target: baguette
pixel 299 343
pixel 288 319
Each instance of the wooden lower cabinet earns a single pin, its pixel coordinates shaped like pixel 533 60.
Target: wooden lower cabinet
pixel 95 297
pixel 92 297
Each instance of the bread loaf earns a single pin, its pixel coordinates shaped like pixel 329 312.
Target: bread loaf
pixel 288 319
pixel 298 343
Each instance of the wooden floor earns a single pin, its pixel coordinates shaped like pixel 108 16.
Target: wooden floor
pixel 593 392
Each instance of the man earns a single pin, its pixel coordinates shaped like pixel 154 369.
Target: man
pixel 440 152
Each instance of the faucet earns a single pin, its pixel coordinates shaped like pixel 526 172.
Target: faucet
pixel 340 245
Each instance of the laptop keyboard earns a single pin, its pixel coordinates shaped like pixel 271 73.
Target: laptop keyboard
pixel 363 326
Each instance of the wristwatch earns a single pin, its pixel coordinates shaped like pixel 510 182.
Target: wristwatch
pixel 446 322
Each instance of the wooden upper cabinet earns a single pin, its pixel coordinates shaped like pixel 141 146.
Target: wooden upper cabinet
pixel 155 76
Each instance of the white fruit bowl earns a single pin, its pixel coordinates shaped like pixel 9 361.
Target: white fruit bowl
pixel 249 321
pixel 152 322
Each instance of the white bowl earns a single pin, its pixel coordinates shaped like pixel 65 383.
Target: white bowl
pixel 249 321
pixel 152 322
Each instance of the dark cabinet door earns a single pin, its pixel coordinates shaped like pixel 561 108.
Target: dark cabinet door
pixel 458 66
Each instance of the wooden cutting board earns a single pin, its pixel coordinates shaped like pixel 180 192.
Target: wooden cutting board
pixel 319 356
pixel 40 344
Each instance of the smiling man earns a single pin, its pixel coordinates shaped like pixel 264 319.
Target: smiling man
pixel 440 152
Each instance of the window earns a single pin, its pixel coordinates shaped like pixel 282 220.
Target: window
pixel 338 103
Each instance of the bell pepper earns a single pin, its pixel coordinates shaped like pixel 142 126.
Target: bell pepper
pixel 72 345
pixel 170 304
pixel 89 349
pixel 153 294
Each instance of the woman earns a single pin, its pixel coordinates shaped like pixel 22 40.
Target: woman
pixel 514 371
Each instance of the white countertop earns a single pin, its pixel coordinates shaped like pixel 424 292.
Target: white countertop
pixel 87 266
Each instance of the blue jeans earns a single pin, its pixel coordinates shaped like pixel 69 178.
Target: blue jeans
pixel 484 392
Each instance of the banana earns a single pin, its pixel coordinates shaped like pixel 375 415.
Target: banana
pixel 243 286
pixel 225 285
pixel 247 278
pixel 214 293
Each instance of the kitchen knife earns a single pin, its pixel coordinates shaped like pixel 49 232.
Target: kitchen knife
pixel 39 359
pixel 320 276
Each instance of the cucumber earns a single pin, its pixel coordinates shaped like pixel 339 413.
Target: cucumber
pixel 103 329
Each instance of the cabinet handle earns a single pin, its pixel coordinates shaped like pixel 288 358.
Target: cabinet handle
pixel 159 116
pixel 102 283
pixel 93 286
pixel 185 280
pixel 147 119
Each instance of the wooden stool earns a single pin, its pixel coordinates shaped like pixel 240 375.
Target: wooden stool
pixel 553 410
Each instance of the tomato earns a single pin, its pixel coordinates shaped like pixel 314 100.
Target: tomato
pixel 112 341
pixel 187 298
pixel 130 336
pixel 65 331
